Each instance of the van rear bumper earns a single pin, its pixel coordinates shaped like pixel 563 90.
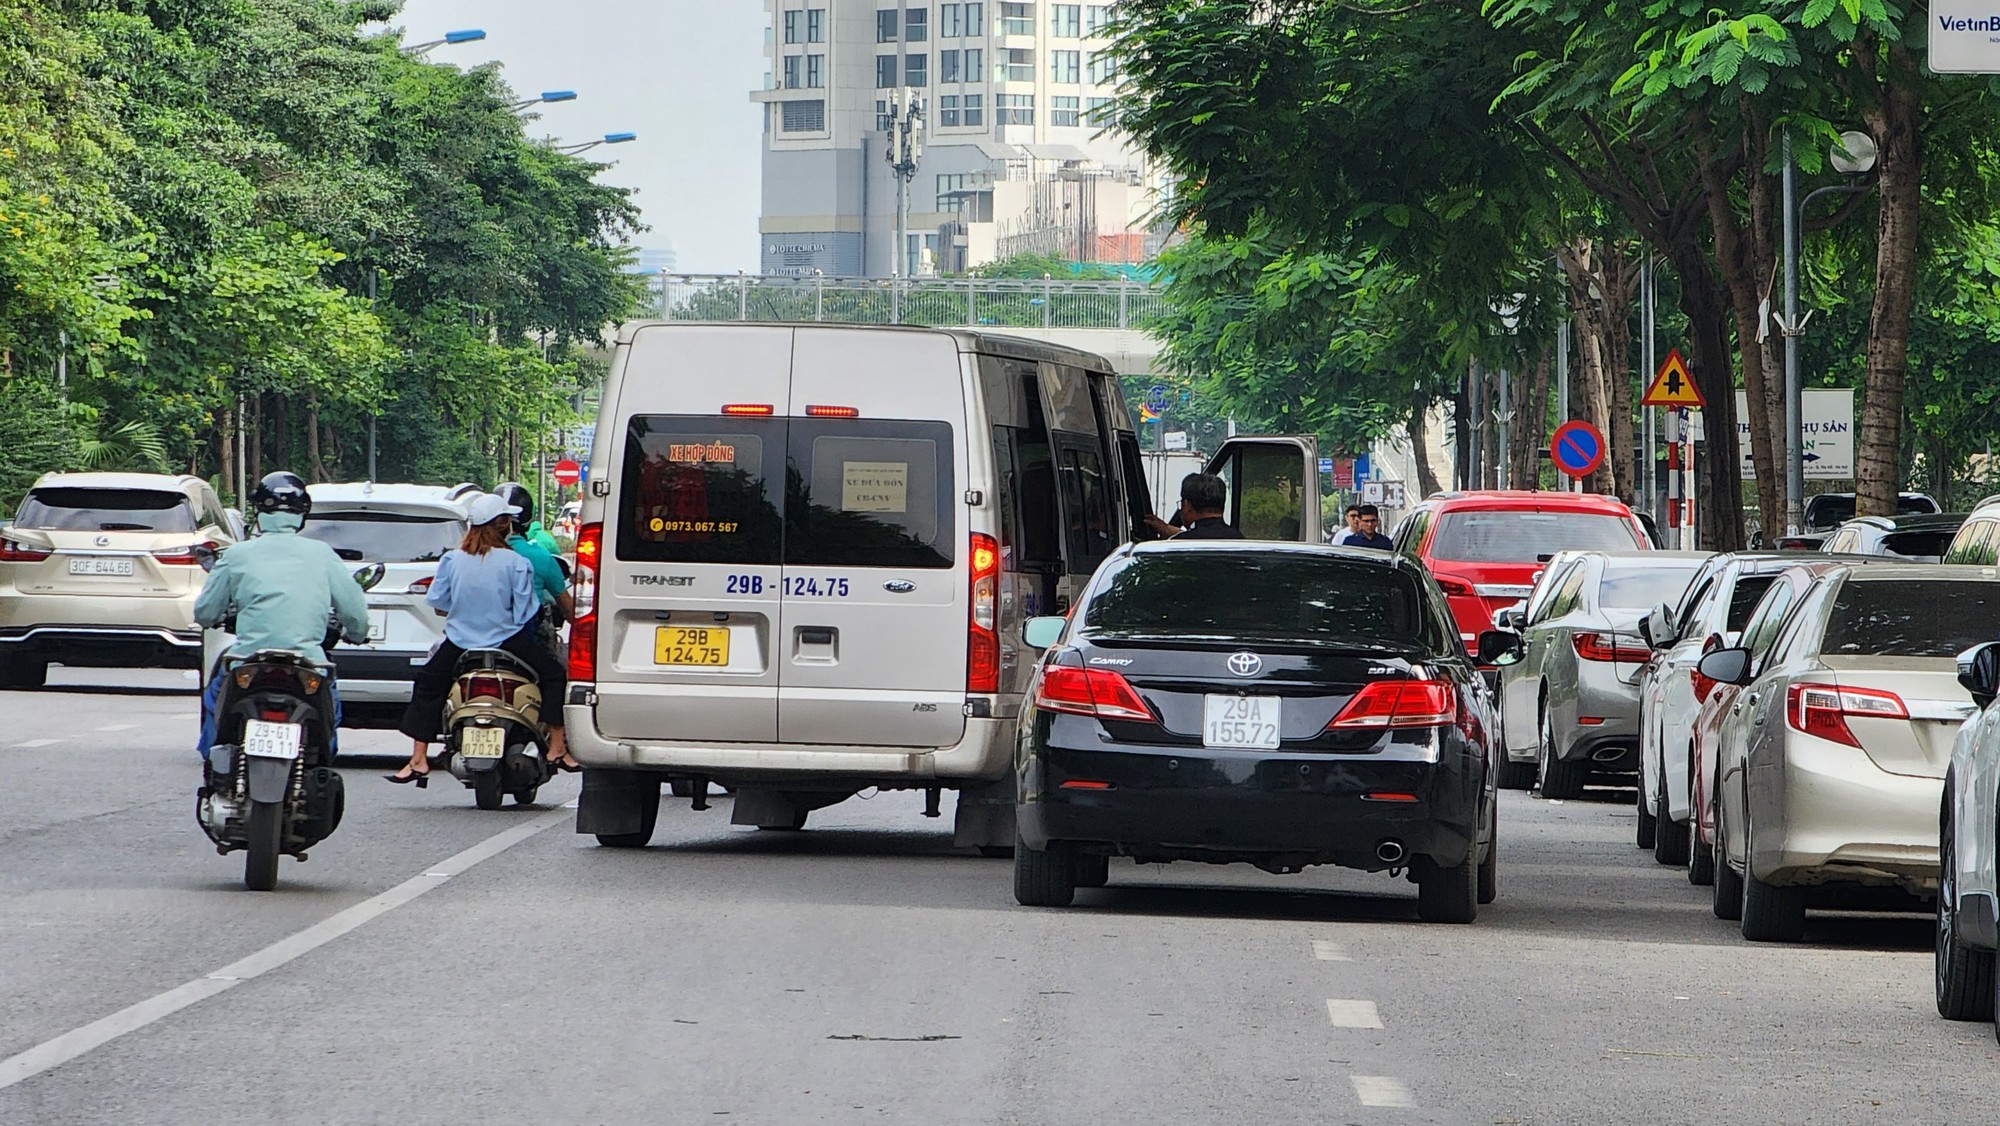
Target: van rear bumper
pixel 984 754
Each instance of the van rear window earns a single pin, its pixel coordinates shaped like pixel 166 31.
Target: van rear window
pixel 869 493
pixel 701 490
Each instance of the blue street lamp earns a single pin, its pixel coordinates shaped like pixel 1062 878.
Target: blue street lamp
pixel 451 39
pixel 607 139
pixel 545 96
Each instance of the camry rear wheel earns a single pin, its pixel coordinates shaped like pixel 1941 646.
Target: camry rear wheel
pixel 1450 895
pixel 1559 779
pixel 1489 868
pixel 1726 885
pixel 1670 837
pixel 1964 976
pixel 1045 877
pixel 1771 912
pixel 1648 822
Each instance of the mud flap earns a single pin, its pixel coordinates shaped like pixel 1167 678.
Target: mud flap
pixel 985 817
pixel 780 809
pixel 270 779
pixel 615 801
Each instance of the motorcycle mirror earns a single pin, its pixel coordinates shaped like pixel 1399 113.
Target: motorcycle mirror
pixel 205 556
pixel 370 575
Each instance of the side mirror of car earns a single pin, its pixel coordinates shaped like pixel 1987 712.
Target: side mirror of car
pixel 1499 647
pixel 1657 627
pixel 205 555
pixel 367 577
pixel 1727 666
pixel 1511 618
pixel 1040 633
pixel 1979 673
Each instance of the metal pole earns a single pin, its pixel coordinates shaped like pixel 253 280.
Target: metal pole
pixel 1562 386
pixel 1477 416
pixel 742 296
pixel 971 301
pixel 1048 300
pixel 819 295
pixel 1795 466
pixel 374 279
pixel 1504 474
pixel 902 258
pixel 242 453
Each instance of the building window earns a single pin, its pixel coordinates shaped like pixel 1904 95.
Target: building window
pixel 1103 67
pixel 882 118
pixel 793 72
pixel 1064 111
pixel 1017 64
pixel 885 71
pixel 1065 21
pixel 816 72
pixel 1015 109
pixel 795 26
pixel 1017 19
pixel 951 193
pixel 975 19
pixel 802 117
pixel 975 64
pixel 885 26
pixel 1066 66
pixel 1095 18
pixel 815 25
pixel 916 70
pixel 948 67
pixel 950 21
pixel 975 110
pixel 1098 111
pixel 947 112
pixel 916 25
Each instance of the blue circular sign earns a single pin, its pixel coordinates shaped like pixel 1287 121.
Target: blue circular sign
pixel 1577 448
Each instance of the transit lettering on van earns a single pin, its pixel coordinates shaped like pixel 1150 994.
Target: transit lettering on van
pixel 662 580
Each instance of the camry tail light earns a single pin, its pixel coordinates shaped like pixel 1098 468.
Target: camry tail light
pixel 1093 692
pixel 1821 710
pixel 14 551
pixel 583 631
pixel 1383 704
pixel 1610 647
pixel 982 637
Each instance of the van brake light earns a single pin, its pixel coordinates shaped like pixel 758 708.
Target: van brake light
pixel 982 636
pixel 832 412
pixel 583 631
pixel 748 408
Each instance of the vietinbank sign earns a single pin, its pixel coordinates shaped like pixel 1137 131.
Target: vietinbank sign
pixel 1965 37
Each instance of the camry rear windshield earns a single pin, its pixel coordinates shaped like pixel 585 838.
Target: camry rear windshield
pixel 1643 590
pixel 386 537
pixel 106 510
pixel 1913 618
pixel 1262 595
pixel 1515 536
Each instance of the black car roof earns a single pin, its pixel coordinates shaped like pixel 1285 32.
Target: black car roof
pixel 1377 556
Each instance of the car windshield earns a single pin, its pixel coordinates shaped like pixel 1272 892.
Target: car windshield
pixel 1628 588
pixel 1927 544
pixel 1911 618
pixel 1264 595
pixel 1830 510
pixel 385 537
pixel 1520 536
pixel 106 510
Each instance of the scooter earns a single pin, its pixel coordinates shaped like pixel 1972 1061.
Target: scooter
pixel 494 741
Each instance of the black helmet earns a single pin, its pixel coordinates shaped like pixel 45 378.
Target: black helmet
pixel 282 491
pixel 517 495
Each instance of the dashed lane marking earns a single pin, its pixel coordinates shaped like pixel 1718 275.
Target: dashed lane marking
pixel 118 727
pixel 1353 1014
pixel 1329 951
pixel 1381 1090
pixel 33 743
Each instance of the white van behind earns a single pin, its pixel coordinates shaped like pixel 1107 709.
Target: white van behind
pixel 807 553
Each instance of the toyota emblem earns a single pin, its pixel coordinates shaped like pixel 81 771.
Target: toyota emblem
pixel 1245 664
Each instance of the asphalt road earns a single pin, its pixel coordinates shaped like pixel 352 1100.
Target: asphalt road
pixel 435 964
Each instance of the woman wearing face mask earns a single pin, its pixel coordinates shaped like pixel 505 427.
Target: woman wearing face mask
pixel 487 595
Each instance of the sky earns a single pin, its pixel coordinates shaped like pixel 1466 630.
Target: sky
pixel 676 72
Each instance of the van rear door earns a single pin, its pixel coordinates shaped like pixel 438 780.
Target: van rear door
pixel 877 551
pixel 1273 486
pixel 690 616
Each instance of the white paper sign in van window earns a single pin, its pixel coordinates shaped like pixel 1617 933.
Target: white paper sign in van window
pixel 875 486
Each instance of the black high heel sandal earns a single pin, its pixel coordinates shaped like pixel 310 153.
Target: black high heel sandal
pixel 421 777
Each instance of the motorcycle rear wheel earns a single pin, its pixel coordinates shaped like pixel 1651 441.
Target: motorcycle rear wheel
pixel 266 829
pixel 486 793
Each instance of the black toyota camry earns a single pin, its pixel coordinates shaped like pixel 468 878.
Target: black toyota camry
pixel 1281 705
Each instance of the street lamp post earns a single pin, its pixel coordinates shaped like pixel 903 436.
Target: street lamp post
pixel 607 139
pixel 1853 158
pixel 546 96
pixel 450 39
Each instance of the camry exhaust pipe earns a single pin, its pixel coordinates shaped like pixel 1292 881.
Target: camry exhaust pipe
pixel 1390 852
pixel 1608 754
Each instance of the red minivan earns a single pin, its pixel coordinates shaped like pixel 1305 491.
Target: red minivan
pixel 1487 548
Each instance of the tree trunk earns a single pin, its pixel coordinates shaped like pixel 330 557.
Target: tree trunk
pixel 318 470
pixel 1420 452
pixel 255 439
pixel 1895 122
pixel 228 458
pixel 1617 279
pixel 1739 270
pixel 1536 425
pixel 1461 432
pixel 1719 483
pixel 1591 403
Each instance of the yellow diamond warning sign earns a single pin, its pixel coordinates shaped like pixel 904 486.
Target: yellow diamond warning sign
pixel 1672 386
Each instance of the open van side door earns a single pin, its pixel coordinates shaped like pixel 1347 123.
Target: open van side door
pixel 1273 486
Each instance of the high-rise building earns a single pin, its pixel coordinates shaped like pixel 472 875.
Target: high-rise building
pixel 1016 158
pixel 654 260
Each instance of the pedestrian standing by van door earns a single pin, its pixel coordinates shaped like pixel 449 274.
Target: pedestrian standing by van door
pixel 1203 496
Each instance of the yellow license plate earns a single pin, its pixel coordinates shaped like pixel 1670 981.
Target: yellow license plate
pixel 685 645
pixel 482 742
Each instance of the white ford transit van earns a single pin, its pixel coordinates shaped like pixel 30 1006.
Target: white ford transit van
pixel 807 552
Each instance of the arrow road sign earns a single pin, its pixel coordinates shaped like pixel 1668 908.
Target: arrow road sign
pixel 1577 448
pixel 1672 386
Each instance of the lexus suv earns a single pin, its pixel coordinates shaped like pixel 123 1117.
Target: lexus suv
pixel 98 570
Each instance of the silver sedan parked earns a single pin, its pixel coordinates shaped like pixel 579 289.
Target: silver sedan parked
pixel 1569 690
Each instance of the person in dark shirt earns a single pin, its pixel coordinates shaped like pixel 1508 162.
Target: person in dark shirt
pixel 1202 498
pixel 1370 533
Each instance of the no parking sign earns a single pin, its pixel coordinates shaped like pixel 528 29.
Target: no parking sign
pixel 1577 448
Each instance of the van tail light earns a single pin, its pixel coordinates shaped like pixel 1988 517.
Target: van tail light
pixel 1384 704
pixel 583 631
pixel 183 556
pixel 749 409
pixel 820 411
pixel 14 551
pixel 982 631
pixel 1093 692
pixel 1700 684
pixel 1821 710
pixel 1456 587
pixel 1610 647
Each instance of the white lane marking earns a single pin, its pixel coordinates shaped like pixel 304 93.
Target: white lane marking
pixel 118 727
pixel 1353 1014
pixel 71 1044
pixel 1329 951
pixel 1381 1090
pixel 33 743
